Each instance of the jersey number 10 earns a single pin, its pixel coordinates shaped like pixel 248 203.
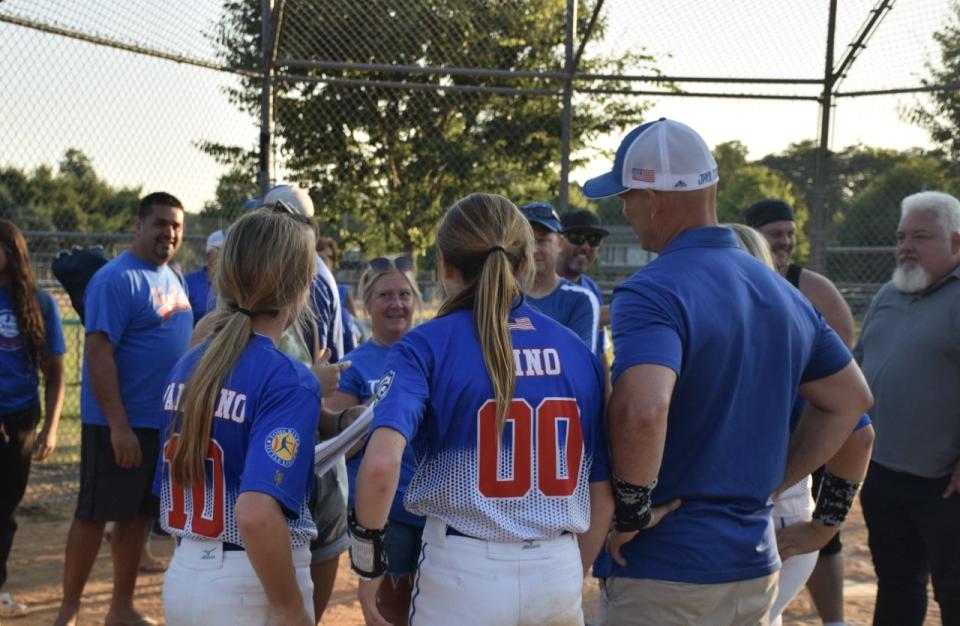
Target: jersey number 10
pixel 199 523
pixel 554 477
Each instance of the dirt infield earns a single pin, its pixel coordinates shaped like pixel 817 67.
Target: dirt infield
pixel 36 567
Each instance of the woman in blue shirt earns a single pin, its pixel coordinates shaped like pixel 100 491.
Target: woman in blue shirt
pixel 390 295
pixel 31 341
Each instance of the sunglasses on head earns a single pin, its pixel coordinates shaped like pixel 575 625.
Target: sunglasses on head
pixel 284 207
pixel 384 264
pixel 578 239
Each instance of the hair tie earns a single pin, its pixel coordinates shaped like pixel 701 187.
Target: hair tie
pixel 243 311
pixel 493 249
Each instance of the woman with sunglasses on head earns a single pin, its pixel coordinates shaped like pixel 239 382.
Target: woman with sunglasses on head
pixel 390 296
pixel 31 342
pixel 239 418
pixel 503 407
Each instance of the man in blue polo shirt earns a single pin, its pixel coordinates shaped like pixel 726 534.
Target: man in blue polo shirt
pixel 711 347
pixel 203 297
pixel 574 306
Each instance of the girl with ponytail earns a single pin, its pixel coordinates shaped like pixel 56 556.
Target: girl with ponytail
pixel 503 408
pixel 239 418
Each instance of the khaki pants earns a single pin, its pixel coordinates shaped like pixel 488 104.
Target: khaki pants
pixel 646 602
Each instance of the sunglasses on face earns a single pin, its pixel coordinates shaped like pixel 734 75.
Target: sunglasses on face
pixel 578 239
pixel 383 264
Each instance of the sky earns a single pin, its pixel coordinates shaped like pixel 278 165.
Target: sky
pixel 140 119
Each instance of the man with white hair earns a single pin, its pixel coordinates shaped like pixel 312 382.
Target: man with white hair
pixel 909 350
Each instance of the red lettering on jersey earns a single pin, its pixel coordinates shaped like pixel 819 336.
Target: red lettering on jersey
pixel 488 450
pixel 199 524
pixel 549 414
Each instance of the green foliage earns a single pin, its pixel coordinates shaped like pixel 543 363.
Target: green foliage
pixel 942 117
pixel 384 163
pixel 73 199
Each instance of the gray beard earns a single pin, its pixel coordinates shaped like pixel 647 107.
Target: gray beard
pixel 910 279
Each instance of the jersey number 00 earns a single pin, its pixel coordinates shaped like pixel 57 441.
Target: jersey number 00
pixel 557 457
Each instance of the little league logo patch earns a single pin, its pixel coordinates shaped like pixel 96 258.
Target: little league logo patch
pixel 384 385
pixel 282 445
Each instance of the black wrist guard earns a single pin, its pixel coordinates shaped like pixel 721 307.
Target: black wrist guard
pixel 834 500
pixel 632 505
pixel 368 555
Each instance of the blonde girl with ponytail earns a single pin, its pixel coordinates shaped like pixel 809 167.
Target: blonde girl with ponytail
pixel 239 418
pixel 503 408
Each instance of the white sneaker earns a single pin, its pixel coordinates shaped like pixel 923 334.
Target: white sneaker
pixel 9 607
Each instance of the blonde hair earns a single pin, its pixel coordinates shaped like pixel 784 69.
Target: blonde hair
pixel 266 264
pixel 753 243
pixel 370 277
pixel 469 237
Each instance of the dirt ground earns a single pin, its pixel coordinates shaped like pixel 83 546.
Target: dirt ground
pixel 36 567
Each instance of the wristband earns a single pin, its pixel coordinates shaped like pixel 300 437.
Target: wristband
pixel 632 505
pixel 834 500
pixel 337 419
pixel 368 555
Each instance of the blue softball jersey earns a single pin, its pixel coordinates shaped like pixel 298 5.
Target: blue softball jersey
pixel 367 365
pixel 741 340
pixel 261 440
pixel 144 311
pixel 534 484
pixel 19 382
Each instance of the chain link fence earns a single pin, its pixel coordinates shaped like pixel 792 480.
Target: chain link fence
pixel 389 111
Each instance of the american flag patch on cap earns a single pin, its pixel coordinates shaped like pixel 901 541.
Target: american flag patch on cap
pixel 644 176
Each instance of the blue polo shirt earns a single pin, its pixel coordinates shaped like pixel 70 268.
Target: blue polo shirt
pixel 200 292
pixel 741 341
pixel 574 307
pixel 19 381
pixel 144 312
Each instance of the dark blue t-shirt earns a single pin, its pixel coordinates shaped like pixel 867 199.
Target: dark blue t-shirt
pixel 741 341
pixel 261 440
pixel 200 292
pixel 18 381
pixel 574 307
pixel 368 364
pixel 534 483
pixel 144 312
pixel 586 281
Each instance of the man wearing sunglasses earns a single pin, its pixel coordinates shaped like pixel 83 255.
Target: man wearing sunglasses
pixel 574 306
pixel 579 243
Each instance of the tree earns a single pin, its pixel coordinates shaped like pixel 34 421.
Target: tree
pixel 941 117
pixel 383 162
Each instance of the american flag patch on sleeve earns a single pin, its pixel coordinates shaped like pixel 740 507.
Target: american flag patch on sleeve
pixel 520 323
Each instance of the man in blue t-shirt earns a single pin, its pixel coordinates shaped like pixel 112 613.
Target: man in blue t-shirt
pixel 574 306
pixel 200 290
pixel 138 324
pixel 711 347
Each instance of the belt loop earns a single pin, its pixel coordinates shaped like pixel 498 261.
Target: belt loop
pixel 435 531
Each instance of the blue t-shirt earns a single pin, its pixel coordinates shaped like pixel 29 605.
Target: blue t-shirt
pixel 586 281
pixel 741 341
pixel 574 307
pixel 144 312
pixel 367 365
pixel 199 290
pixel 261 440
pixel 18 381
pixel 535 483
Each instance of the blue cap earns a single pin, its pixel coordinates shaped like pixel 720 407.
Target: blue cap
pixel 662 155
pixel 542 213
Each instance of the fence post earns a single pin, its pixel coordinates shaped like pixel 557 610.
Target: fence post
pixel 820 214
pixel 567 121
pixel 266 99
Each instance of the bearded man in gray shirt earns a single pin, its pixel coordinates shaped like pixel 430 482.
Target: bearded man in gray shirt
pixel 909 351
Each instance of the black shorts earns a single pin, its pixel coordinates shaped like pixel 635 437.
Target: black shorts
pixel 834 546
pixel 109 493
